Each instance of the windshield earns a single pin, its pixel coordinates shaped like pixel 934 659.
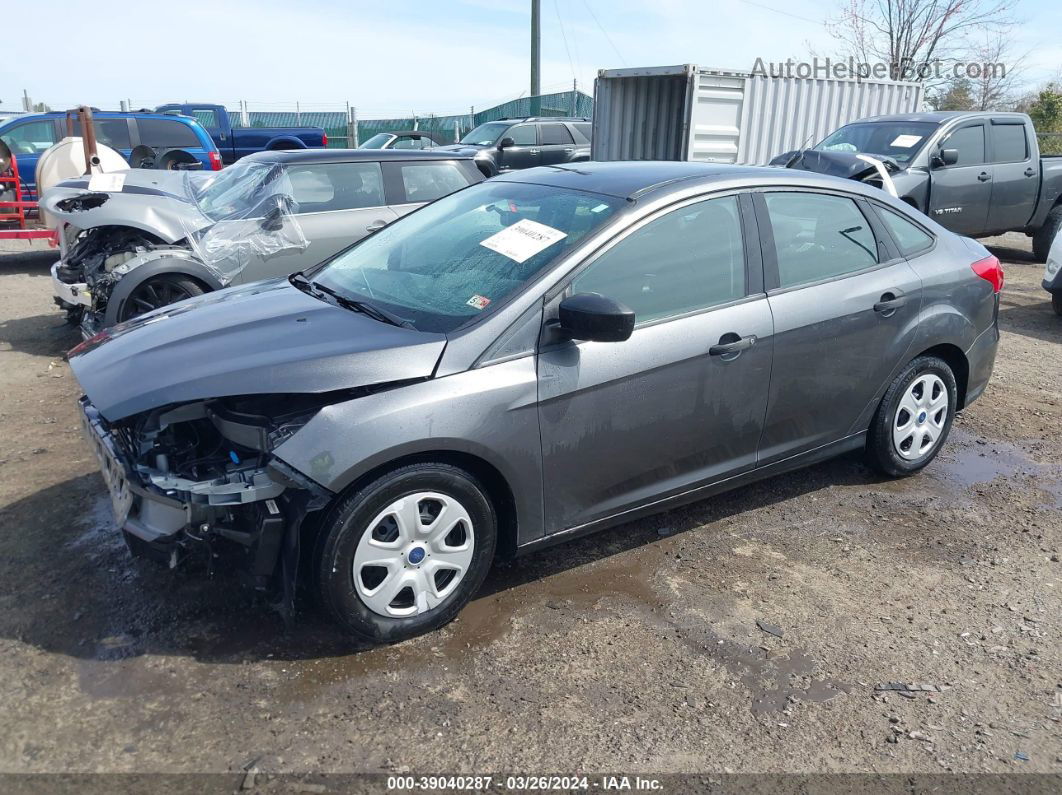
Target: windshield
pixel 241 188
pixel 461 256
pixel 486 134
pixel 378 141
pixel 900 140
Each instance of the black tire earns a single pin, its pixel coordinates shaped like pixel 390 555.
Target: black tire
pixel 159 291
pixel 881 449
pixel 1056 303
pixel 349 520
pixel 1045 235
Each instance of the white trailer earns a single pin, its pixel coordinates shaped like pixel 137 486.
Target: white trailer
pixel 687 112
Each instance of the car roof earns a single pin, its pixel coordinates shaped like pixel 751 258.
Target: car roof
pixel 939 116
pixel 109 114
pixel 637 178
pixel 349 155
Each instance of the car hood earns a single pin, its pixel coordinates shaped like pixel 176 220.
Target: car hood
pixel 461 149
pixel 262 338
pixel 155 202
pixel 846 165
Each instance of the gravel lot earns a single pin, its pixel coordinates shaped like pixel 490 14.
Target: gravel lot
pixel 634 650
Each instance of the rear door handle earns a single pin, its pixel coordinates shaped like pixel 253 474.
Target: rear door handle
pixel 534 151
pixel 376 226
pixel 1030 172
pixel 732 345
pixel 984 176
pixel 568 149
pixel 889 303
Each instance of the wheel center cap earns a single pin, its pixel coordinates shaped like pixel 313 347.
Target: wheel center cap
pixel 922 417
pixel 415 555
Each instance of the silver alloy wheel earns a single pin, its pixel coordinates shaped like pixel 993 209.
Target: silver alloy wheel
pixel 413 555
pixel 920 417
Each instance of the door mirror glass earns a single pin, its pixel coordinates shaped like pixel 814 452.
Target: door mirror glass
pixel 596 318
pixel 505 142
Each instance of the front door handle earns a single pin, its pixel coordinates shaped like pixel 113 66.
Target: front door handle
pixel 534 151
pixel 376 226
pixel 730 345
pixel 1030 172
pixel 889 303
pixel 984 176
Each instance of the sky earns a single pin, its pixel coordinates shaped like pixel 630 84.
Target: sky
pixel 394 59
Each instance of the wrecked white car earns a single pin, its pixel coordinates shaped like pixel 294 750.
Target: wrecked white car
pixel 153 238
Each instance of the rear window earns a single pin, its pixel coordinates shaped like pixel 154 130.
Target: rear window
pixel 166 133
pixel 1009 144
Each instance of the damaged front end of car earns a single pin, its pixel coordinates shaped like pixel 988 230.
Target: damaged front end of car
pixel 199 479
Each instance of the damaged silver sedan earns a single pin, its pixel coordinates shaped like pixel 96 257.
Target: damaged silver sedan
pixel 157 237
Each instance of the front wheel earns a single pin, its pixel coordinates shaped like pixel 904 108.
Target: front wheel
pixel 403 554
pixel 914 418
pixel 157 292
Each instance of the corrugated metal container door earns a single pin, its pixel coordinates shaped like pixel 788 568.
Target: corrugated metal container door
pixel 783 113
pixel 641 115
pixel 715 119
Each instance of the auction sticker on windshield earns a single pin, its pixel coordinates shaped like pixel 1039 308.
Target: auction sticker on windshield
pixel 523 240
pixel 905 141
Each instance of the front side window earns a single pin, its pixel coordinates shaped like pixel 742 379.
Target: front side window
pixel 818 236
pixel 523 135
pixel 425 182
pixel 908 236
pixel 461 256
pixel 166 133
pixel 30 138
pixel 1009 144
pixel 689 259
pixel 378 141
pixel 970 144
pixel 326 187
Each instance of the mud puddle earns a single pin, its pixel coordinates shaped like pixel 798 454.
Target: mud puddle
pixel 971 461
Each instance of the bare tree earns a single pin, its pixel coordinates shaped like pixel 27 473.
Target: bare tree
pixel 995 86
pixel 912 35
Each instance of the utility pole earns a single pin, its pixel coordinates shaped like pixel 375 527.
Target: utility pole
pixel 536 55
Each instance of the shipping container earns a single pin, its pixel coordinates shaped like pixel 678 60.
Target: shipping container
pixel 724 116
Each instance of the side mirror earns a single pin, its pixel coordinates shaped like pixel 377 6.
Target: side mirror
pixel 273 220
pixel 948 157
pixel 506 142
pixel 272 210
pixel 595 317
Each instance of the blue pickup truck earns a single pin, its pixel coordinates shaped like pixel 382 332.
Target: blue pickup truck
pixel 237 142
pixel 171 139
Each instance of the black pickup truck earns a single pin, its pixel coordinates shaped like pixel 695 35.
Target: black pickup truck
pixel 977 174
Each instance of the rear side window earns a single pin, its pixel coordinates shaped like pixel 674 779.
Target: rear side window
pixel 582 129
pixel 818 236
pixel 690 259
pixel 555 134
pixel 326 187
pixel 970 142
pixel 425 182
pixel 112 132
pixel 165 133
pixel 1009 144
pixel 207 117
pixel 908 236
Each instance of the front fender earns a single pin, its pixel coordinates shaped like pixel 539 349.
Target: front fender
pixel 154 263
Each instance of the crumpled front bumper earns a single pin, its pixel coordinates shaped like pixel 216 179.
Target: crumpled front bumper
pixel 73 294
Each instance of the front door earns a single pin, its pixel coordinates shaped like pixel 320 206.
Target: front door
pixel 524 152
pixel 680 403
pixel 960 194
pixel 843 307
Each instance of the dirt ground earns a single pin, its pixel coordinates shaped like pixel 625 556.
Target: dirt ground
pixel 634 650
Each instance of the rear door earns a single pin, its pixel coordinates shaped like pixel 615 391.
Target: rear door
pixel 1015 177
pixel 843 302
pixel 524 153
pixel 624 423
pixel 555 143
pixel 960 194
pixel 338 204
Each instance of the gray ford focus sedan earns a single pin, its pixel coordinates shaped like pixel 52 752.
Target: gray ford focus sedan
pixel 539 356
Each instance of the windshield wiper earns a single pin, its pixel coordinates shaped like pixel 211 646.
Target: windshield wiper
pixel 366 308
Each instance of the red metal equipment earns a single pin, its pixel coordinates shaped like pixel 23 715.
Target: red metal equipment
pixel 14 214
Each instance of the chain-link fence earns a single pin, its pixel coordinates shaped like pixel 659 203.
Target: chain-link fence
pixel 340 125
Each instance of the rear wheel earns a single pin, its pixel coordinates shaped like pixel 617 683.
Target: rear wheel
pixel 403 554
pixel 159 291
pixel 914 418
pixel 1056 303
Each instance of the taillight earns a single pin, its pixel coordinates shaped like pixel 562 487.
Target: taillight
pixel 324 139
pixel 215 161
pixel 991 271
